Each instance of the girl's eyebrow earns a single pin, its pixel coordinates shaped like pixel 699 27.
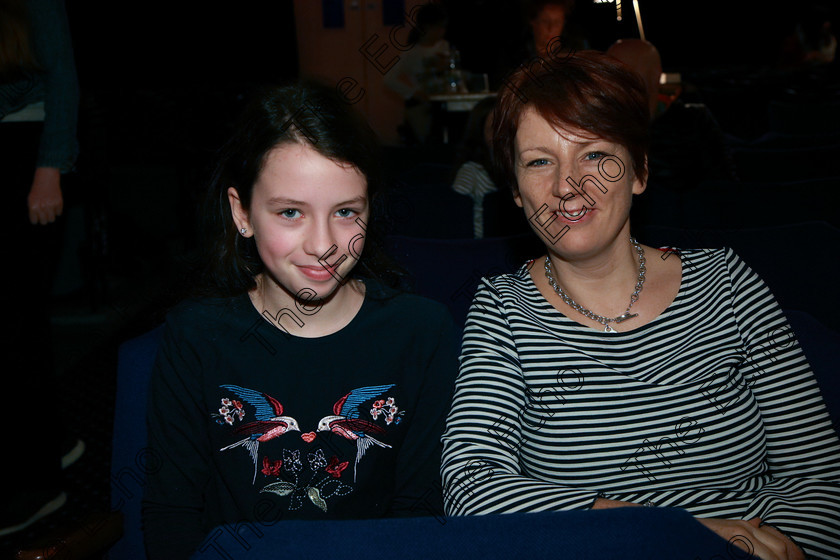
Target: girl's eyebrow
pixel 355 200
pixel 281 201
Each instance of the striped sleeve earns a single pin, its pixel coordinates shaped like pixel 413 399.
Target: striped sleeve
pixel 481 445
pixel 803 453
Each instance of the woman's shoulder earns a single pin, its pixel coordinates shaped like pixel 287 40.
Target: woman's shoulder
pixel 711 266
pixel 695 258
pixel 511 282
pixel 507 289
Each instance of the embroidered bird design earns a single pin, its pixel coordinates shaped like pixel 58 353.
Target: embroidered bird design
pixel 346 423
pixel 269 424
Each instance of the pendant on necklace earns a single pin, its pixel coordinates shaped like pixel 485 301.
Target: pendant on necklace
pixel 626 316
pixel 608 328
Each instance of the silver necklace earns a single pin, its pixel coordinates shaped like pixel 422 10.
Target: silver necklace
pixel 595 317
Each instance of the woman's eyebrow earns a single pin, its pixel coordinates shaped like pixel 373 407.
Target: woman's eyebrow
pixel 537 148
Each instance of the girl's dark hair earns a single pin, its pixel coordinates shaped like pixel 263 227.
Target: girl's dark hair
pixel 307 113
pixel 587 90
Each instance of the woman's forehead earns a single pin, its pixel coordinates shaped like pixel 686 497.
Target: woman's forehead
pixel 532 123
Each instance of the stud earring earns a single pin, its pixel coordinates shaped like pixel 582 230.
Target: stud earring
pixel 243 231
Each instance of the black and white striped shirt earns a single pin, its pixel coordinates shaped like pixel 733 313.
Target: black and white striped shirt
pixel 711 407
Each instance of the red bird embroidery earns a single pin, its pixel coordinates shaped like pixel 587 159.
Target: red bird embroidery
pixel 346 423
pixel 270 422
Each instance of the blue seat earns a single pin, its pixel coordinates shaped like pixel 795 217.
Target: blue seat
pixel 820 345
pixel 739 205
pixel 129 460
pixel 421 203
pixel 449 270
pixel 627 533
pixel 800 262
pixel 787 163
pixel 803 116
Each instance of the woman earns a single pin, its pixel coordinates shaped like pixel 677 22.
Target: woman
pixel 307 387
pixel 607 375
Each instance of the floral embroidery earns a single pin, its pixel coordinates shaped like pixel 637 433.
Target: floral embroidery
pixel 291 460
pixel 271 468
pixel 335 468
pixel 388 409
pixel 322 484
pixel 230 411
pixel 317 460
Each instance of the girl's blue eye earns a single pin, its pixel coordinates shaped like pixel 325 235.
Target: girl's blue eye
pixel 345 213
pixel 290 213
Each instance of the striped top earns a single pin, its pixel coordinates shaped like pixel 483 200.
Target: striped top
pixel 711 407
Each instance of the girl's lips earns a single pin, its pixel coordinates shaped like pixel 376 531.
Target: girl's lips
pixel 316 273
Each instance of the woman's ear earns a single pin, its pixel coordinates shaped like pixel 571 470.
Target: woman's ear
pixel 639 185
pixel 517 197
pixel 239 213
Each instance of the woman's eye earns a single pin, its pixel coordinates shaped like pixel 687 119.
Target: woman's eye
pixel 290 213
pixel 594 156
pixel 537 162
pixel 345 213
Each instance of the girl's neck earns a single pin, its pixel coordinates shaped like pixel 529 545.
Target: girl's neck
pixel 307 318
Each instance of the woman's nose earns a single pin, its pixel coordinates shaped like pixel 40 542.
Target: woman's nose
pixel 561 187
pixel 577 184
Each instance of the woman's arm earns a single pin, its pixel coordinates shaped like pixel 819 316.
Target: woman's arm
pixel 480 464
pixel 803 451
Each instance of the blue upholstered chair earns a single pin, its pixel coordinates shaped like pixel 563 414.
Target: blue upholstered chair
pixel 129 460
pixel 800 262
pixel 449 270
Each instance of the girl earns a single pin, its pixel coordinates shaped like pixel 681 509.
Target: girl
pixel 307 386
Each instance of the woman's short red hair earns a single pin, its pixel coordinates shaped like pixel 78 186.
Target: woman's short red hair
pixel 586 90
